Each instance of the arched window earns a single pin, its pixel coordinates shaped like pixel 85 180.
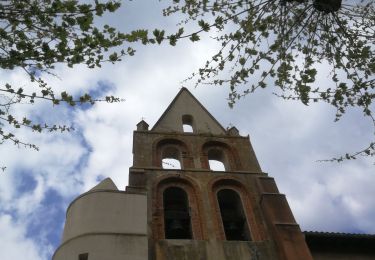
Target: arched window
pixel 176 214
pixel 232 215
pixel 171 158
pixel 187 123
pixel 172 153
pixel 216 159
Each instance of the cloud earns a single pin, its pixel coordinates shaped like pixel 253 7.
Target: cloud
pixel 27 184
pixel 287 137
pixel 13 244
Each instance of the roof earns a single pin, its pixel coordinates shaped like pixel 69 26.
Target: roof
pixel 340 242
pixel 106 184
pixel 338 234
pixel 186 104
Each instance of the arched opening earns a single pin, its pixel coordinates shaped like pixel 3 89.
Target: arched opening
pixel 187 124
pixel 176 214
pixel 170 163
pixel 232 216
pixel 216 159
pixel 171 158
pixel 216 165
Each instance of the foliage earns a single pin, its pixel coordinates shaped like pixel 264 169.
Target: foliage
pixel 35 35
pixel 264 43
pixel 280 43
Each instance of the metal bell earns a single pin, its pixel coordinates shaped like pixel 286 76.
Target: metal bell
pixel 176 225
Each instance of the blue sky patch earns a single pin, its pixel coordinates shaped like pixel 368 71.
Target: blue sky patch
pixel 26 181
pixel 45 223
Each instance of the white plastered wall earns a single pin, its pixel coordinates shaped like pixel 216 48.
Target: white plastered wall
pixel 106 224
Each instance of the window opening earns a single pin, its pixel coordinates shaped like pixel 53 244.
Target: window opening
pixel 176 214
pixel 170 163
pixel 232 215
pixel 216 160
pixel 187 128
pixel 216 165
pixel 187 124
pixel 170 158
pixel 84 256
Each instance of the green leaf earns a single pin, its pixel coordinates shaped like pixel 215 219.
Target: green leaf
pixel 205 26
pixel 194 37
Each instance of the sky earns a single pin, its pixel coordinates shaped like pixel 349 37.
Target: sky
pixel 288 139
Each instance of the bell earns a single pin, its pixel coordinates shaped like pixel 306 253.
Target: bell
pixel 176 225
pixel 232 226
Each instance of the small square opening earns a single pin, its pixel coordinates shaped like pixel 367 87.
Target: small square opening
pixel 84 256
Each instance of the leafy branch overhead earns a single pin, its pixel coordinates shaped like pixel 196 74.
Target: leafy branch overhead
pixel 264 43
pixel 279 43
pixel 36 35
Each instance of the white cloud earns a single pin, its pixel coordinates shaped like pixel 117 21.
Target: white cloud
pixel 13 241
pixel 287 137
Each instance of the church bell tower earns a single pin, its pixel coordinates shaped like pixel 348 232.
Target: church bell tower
pixel 207 196
pixel 196 191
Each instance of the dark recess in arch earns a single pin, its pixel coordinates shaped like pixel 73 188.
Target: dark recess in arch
pixel 232 215
pixel 176 214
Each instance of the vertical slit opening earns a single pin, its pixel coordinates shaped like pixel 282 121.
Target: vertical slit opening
pixel 187 124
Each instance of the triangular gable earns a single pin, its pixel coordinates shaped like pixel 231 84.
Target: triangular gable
pixel 186 104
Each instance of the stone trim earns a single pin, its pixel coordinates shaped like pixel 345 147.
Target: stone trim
pixel 223 136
